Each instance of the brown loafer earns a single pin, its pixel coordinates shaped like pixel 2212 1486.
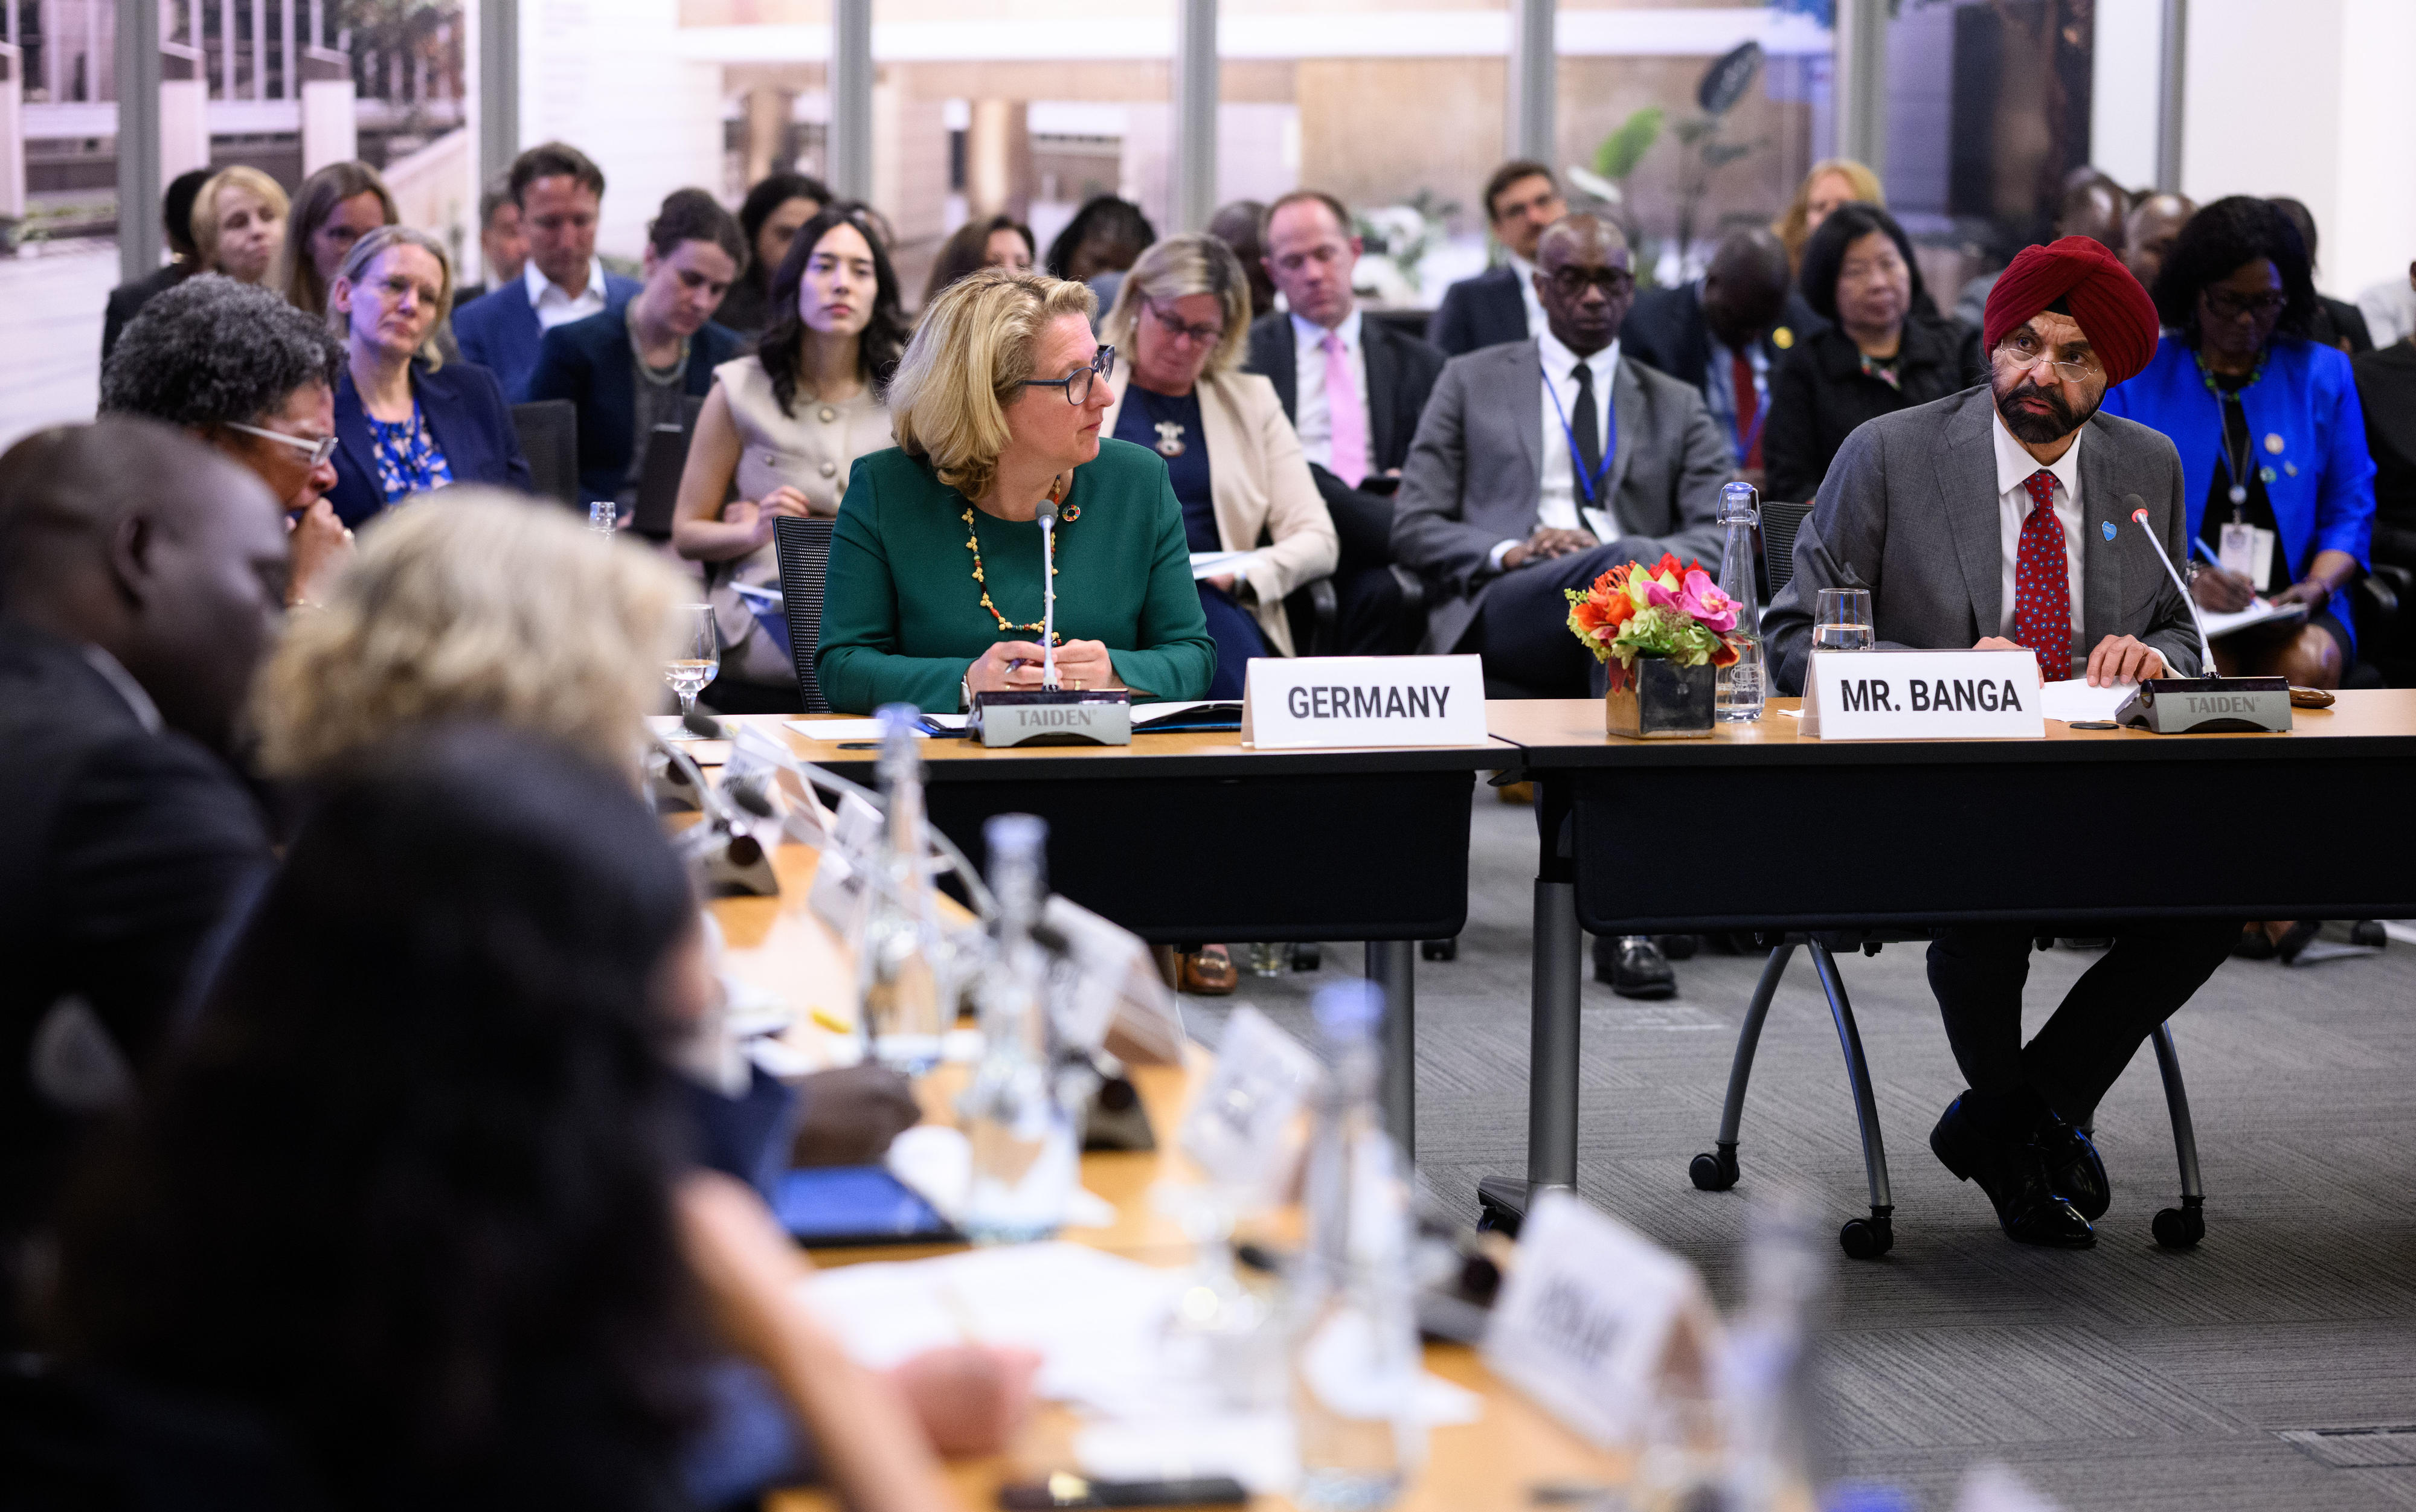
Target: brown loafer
pixel 1208 972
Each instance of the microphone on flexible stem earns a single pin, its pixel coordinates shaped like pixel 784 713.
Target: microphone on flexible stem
pixel 2209 702
pixel 1048 518
pixel 2205 647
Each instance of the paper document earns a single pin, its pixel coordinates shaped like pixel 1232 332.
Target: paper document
pixel 840 729
pixel 1185 710
pixel 2258 612
pixel 767 598
pixel 1605 529
pixel 1217 563
pixel 2074 699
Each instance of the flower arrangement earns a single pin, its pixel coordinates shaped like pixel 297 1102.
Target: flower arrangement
pixel 1666 610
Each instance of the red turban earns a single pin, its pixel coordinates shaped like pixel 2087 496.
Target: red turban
pixel 2115 313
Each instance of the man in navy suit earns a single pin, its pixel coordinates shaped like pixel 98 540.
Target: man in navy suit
pixel 561 194
pixel 1724 334
pixel 1522 199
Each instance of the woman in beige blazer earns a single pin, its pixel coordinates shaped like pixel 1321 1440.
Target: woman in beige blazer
pixel 1181 318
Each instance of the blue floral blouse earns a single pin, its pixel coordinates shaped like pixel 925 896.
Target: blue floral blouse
pixel 408 459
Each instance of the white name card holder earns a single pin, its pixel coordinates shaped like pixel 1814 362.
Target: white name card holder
pixel 838 883
pixel 1595 1322
pixel 1308 702
pixel 1924 696
pixel 1246 1128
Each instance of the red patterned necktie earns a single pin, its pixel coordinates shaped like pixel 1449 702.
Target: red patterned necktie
pixel 1748 409
pixel 2041 584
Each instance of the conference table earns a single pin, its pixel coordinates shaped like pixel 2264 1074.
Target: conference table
pixel 1492 1464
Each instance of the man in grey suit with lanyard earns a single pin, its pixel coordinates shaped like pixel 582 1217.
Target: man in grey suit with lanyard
pixel 2003 517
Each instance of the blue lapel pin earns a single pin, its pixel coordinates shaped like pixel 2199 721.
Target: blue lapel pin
pixel 2107 526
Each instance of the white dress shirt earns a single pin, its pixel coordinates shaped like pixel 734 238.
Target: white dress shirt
pixel 553 306
pixel 2013 467
pixel 1536 326
pixel 113 672
pixel 1315 420
pixel 1557 502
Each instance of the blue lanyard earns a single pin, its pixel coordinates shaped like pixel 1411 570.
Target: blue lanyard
pixel 1590 487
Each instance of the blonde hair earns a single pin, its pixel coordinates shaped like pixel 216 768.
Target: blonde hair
pixel 205 207
pixel 1791 228
pixel 976 345
pixel 476 604
pixel 366 251
pixel 1175 268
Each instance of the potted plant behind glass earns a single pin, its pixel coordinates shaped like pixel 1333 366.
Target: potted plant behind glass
pixel 1663 633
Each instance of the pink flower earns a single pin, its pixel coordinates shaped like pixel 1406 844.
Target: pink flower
pixel 1658 597
pixel 1702 602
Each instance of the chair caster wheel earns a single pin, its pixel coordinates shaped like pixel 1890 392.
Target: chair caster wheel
pixel 2180 1228
pixel 1438 949
pixel 1501 1206
pixel 1714 1170
pixel 2370 932
pixel 1867 1238
pixel 1306 956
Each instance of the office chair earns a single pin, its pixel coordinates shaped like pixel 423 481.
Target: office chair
pixel 548 433
pixel 1867 1238
pixel 804 546
pixel 1780 524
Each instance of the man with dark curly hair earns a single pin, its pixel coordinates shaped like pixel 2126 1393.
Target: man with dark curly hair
pixel 240 367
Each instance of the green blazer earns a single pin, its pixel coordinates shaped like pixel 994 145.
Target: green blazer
pixel 902 617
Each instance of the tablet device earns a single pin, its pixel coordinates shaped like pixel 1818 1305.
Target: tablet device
pixel 837 1206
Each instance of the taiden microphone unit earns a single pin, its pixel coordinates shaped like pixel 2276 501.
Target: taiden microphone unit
pixel 1053 714
pixel 2176 706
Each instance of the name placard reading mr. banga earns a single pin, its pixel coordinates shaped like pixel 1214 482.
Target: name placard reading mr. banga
pixel 1304 701
pixel 1922 696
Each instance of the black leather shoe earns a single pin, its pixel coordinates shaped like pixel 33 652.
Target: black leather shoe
pixel 1679 946
pixel 2015 1177
pixel 1633 966
pixel 2074 1169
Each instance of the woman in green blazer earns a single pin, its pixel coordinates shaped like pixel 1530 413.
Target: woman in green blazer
pixel 934 588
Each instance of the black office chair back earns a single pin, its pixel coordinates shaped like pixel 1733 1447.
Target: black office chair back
pixel 804 546
pixel 549 432
pixel 1779 523
pixel 658 480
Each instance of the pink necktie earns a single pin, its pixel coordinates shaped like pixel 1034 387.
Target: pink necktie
pixel 1348 421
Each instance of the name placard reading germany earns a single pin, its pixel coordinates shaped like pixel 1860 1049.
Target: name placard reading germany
pixel 1304 701
pixel 1922 696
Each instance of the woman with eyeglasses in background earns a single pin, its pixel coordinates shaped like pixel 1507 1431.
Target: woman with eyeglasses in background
pixel 935 590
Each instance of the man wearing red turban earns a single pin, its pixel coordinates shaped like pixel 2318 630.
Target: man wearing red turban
pixel 2002 519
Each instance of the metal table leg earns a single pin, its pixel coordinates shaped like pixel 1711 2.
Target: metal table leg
pixel 1392 964
pixel 1557 968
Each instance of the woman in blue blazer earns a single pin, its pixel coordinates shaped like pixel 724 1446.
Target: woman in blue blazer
pixel 2269 434
pixel 406 422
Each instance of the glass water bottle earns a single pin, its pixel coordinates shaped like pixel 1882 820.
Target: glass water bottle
pixel 1739 695
pixel 1025 1157
pixel 895 949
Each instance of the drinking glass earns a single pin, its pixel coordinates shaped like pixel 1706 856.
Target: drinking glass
pixel 602 516
pixel 1842 619
pixel 695 661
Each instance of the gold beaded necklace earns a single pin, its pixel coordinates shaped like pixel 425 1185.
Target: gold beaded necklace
pixel 973 543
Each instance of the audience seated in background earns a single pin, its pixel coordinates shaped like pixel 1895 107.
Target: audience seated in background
pixel 1725 334
pixel 1881 352
pixel 2337 322
pixel 244 370
pixel 999 242
pixel 1832 182
pixel 336 207
pixel 2386 389
pixel 503 247
pixel 407 1221
pixel 1105 238
pixel 1502 531
pixel 785 426
pixel 1183 317
pixel 238 224
pixel 768 218
pixel 2094 206
pixel 1342 377
pixel 560 194
pixel 407 422
pixel 630 371
pixel 1521 199
pixel 934 588
pixel 1242 226
pixel 2148 233
pixel 185 259
pixel 141 575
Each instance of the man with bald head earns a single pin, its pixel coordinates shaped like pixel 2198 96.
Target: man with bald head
pixel 1724 332
pixel 2148 234
pixel 142 574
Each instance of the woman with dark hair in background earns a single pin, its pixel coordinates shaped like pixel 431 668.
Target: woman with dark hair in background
pixel 1000 242
pixel 407 1221
pixel 185 259
pixel 632 370
pixel 786 425
pixel 768 218
pixel 1105 238
pixel 1883 350
pixel 336 207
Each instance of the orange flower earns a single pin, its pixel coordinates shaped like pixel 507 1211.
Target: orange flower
pixel 1725 653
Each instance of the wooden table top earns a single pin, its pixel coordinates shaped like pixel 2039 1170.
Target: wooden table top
pixel 1174 754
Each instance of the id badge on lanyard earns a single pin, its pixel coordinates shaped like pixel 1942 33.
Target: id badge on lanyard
pixel 1589 486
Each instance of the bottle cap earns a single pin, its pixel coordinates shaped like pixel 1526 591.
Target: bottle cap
pixel 1014 835
pixel 1346 1009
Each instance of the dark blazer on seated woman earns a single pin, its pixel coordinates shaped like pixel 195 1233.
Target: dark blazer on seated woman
pixel 461 406
pixel 1820 393
pixel 589 362
pixel 903 618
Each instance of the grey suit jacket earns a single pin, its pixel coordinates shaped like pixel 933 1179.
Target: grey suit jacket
pixel 1476 471
pixel 1909 510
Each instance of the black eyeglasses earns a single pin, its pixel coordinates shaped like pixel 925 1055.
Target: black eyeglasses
pixel 1078 385
pixel 2226 306
pixel 1200 335
pixel 1573 283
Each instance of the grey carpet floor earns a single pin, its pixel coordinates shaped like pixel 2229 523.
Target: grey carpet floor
pixel 2126 1376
